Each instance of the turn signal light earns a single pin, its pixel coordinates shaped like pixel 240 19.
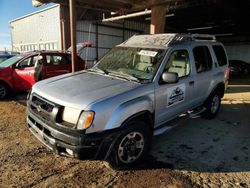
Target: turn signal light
pixel 86 119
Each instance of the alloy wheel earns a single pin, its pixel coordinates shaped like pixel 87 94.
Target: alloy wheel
pixel 131 147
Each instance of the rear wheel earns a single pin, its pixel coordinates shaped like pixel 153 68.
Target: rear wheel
pixel 4 90
pixel 132 145
pixel 212 105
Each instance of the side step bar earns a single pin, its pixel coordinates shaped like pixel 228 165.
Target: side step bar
pixel 173 123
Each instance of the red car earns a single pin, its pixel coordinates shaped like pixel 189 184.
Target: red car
pixel 20 72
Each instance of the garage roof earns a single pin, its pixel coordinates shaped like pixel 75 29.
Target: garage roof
pixel 125 6
pixel 219 17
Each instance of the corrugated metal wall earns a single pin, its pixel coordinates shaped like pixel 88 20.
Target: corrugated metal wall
pixel 238 52
pixel 40 30
pixel 105 36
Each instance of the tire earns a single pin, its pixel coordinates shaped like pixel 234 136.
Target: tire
pixel 132 145
pixel 212 105
pixel 4 91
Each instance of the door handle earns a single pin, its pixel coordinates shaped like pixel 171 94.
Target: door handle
pixel 191 83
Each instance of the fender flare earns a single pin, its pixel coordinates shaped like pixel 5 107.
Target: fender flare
pixel 139 115
pixel 135 108
pixel 221 87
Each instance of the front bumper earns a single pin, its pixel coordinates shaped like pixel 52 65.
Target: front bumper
pixel 72 143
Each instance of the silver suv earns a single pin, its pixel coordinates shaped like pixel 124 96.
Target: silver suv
pixel 140 88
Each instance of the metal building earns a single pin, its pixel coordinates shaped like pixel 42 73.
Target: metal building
pixel 37 31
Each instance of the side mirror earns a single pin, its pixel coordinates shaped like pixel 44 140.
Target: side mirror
pixel 170 77
pixel 16 66
pixel 86 44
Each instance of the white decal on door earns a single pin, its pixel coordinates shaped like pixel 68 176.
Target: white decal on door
pixel 176 94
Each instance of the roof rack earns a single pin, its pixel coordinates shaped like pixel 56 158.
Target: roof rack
pixel 166 39
pixel 180 38
pixel 203 37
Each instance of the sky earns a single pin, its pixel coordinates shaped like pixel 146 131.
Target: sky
pixel 12 9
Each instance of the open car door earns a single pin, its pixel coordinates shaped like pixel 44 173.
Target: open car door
pixel 24 74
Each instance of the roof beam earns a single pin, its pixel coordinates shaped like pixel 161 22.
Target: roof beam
pixel 127 16
pixel 116 5
pixel 123 7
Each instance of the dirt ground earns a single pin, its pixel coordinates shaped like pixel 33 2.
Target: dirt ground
pixel 198 153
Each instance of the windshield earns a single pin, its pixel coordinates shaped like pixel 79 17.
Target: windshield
pixel 139 63
pixel 2 59
pixel 10 61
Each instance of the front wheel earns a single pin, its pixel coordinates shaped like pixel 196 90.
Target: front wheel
pixel 212 105
pixel 3 91
pixel 132 145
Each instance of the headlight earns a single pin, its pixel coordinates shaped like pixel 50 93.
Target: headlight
pixel 85 120
pixel 28 96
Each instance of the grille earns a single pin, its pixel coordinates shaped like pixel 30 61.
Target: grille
pixel 42 108
pixel 42 104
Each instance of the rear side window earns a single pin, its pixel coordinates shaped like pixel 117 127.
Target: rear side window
pixel 56 60
pixel 68 59
pixel 203 59
pixel 220 55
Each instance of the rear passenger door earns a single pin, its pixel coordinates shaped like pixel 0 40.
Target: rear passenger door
pixel 204 74
pixel 56 64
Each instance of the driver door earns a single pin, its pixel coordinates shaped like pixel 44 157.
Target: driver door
pixel 176 98
pixel 24 74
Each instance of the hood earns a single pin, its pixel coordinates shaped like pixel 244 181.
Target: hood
pixel 5 71
pixel 78 90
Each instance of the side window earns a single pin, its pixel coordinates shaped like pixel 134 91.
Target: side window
pixel 28 62
pixel 55 60
pixel 38 60
pixel 203 59
pixel 220 55
pixel 179 63
pixel 68 59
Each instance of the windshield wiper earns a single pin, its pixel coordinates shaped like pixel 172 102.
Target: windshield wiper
pixel 124 75
pixel 98 70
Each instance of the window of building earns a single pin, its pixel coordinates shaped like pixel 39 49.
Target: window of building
pixel 41 47
pixel 47 46
pixel 55 46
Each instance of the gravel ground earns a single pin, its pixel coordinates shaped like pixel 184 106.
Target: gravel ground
pixel 198 153
pixel 25 162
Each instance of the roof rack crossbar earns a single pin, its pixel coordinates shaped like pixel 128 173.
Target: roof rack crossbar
pixel 203 37
pixel 180 38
